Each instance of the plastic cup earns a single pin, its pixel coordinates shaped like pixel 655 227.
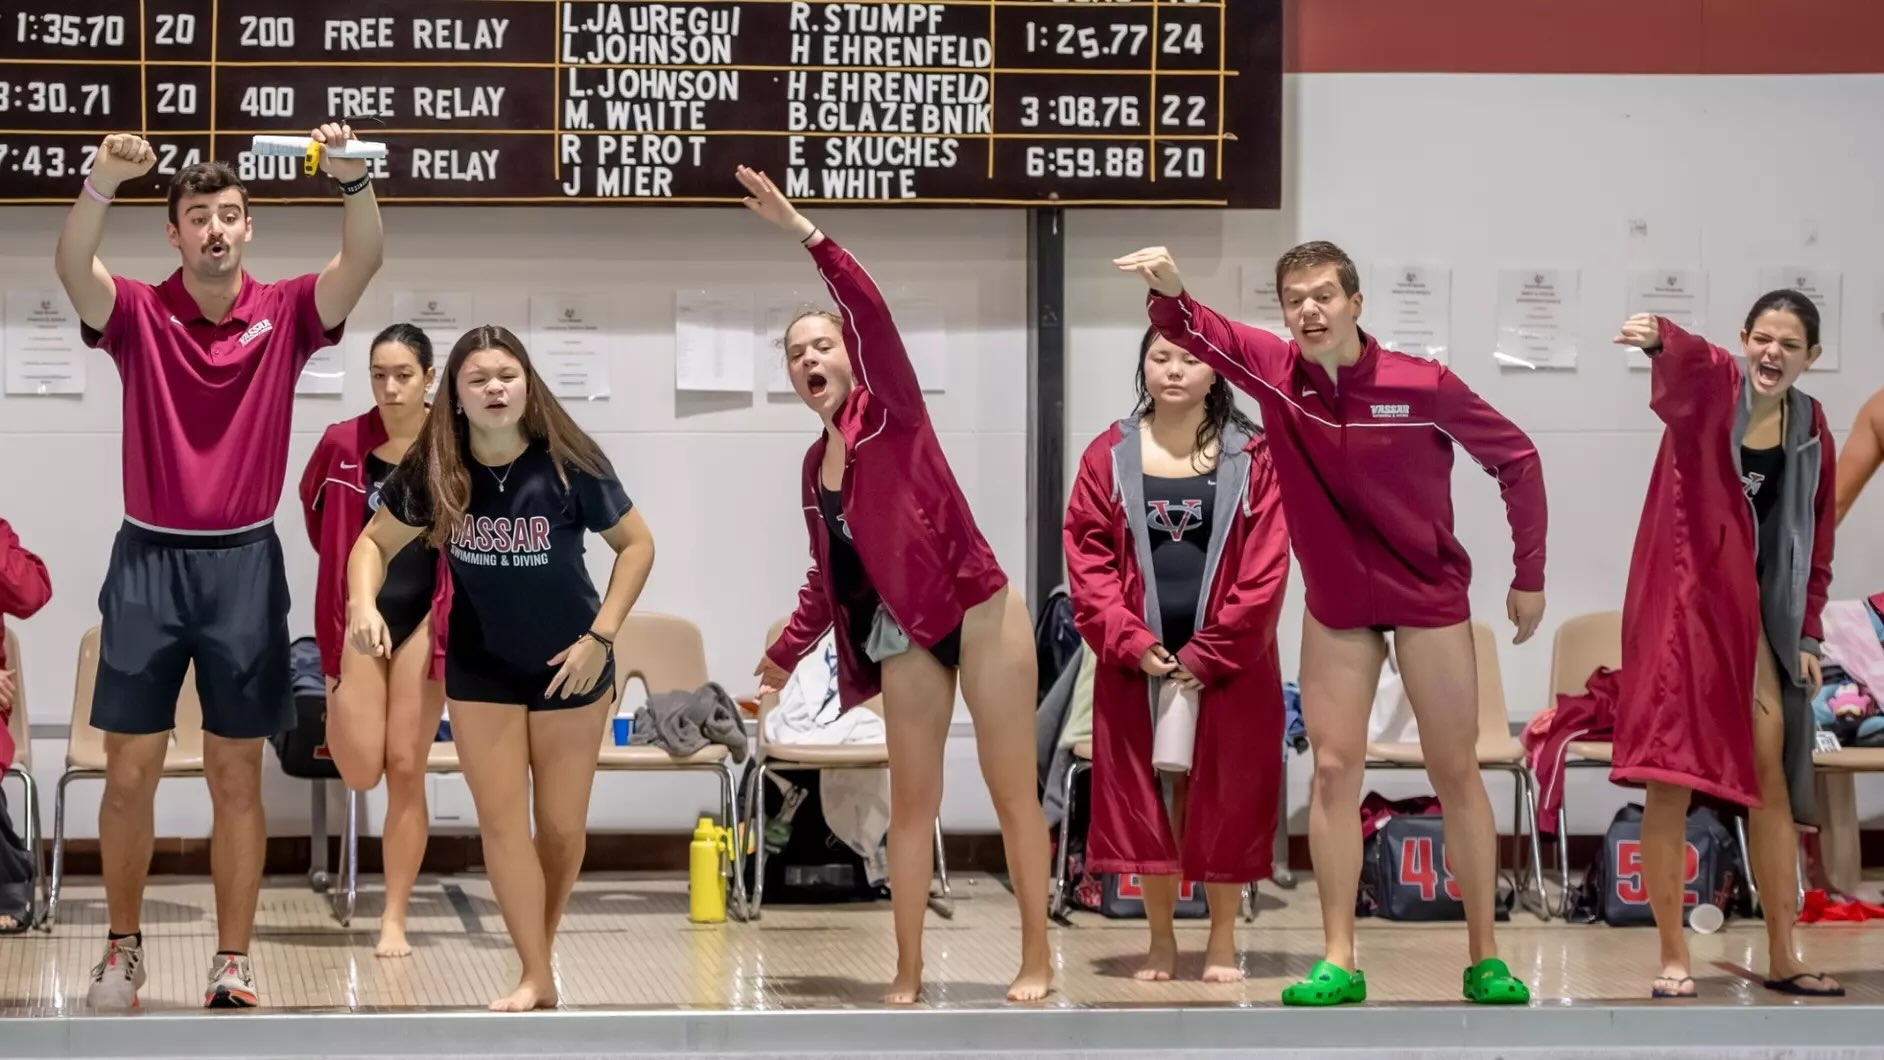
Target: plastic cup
pixel 1706 918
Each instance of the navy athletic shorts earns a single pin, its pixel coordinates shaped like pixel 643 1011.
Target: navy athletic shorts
pixel 219 601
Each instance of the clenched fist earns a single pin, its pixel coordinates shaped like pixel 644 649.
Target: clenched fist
pixel 122 157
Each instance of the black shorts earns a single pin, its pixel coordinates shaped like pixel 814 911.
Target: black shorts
pixel 485 679
pixel 219 601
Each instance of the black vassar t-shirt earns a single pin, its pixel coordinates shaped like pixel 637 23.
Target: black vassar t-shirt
pixel 516 557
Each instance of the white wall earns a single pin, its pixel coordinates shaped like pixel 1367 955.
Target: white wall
pixel 1476 172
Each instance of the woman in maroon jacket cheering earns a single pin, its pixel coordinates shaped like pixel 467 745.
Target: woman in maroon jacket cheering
pixel 1720 624
pixel 1177 559
pixel 382 712
pixel 1363 441
pixel 914 591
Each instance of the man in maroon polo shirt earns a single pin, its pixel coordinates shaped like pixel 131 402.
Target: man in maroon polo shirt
pixel 209 359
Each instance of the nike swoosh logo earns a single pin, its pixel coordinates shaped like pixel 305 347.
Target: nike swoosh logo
pixel 344 466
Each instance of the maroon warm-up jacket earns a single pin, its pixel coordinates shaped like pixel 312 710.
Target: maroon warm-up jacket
pixel 333 501
pixel 1366 469
pixel 909 522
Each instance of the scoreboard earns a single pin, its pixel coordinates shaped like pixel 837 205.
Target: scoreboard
pixel 968 102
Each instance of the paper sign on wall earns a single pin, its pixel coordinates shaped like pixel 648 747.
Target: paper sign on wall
pixel 569 343
pixel 43 351
pixel 1261 307
pixel 1678 294
pixel 1409 309
pixel 1825 288
pixel 444 316
pixel 325 373
pixel 713 341
pixel 1537 318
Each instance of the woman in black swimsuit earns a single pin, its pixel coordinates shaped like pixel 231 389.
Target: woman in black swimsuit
pixel 382 712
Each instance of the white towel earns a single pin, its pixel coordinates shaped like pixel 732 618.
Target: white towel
pixel 807 710
pixel 1176 734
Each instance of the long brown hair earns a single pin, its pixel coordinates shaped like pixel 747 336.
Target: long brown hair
pixel 438 457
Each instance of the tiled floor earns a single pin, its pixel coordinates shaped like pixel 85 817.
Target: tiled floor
pixel 628 945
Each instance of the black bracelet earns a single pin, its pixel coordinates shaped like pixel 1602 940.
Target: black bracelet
pixel 599 639
pixel 807 240
pixel 355 187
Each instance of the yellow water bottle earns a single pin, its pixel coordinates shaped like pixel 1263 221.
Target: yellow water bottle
pixel 706 887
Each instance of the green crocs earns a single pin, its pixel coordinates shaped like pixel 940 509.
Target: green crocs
pixel 1328 984
pixel 1490 982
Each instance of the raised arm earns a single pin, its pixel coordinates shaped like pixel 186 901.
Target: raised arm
pixel 1116 633
pixel 24 584
pixel 1507 455
pixel 362 235
pixel 1250 358
pixel 1862 453
pixel 1688 377
pixel 877 354
pixel 86 281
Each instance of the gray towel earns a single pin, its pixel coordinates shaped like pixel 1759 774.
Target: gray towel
pixel 681 723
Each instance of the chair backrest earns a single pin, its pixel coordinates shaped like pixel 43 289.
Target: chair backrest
pixel 666 652
pixel 85 745
pixel 1584 643
pixel 16 724
pixel 874 704
pixel 1494 715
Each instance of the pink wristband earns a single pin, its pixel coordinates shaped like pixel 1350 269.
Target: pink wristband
pixel 95 193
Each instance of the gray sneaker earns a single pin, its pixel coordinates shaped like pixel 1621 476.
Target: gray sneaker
pixel 118 977
pixel 231 983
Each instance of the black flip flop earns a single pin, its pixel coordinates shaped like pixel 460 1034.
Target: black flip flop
pixel 1660 995
pixel 1790 985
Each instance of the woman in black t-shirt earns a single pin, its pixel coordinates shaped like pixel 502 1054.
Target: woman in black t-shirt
pixel 507 484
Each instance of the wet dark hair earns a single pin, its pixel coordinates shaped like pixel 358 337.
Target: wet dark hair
pixel 1786 300
pixel 205 178
pixel 1219 405
pixel 412 337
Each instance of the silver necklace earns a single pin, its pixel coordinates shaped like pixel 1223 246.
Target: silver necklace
pixel 505 477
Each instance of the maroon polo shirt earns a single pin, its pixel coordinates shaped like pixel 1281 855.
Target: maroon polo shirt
pixel 208 404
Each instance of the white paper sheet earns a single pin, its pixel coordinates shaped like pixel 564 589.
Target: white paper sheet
pixel 1678 294
pixel 1410 309
pixel 569 343
pixel 444 315
pixel 1826 289
pixel 43 352
pixel 1260 305
pixel 1537 318
pixel 713 337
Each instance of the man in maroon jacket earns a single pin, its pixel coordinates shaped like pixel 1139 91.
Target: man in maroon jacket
pixel 1363 438
pixel 24 589
pixel 209 359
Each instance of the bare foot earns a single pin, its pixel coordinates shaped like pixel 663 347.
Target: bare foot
pixel 1160 962
pixel 1673 981
pixel 526 997
pixel 907 987
pixel 1220 962
pixel 392 942
pixel 1032 984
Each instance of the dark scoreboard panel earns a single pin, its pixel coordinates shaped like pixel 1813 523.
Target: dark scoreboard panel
pixel 1009 102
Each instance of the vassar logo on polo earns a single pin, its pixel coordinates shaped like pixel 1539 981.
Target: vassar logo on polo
pixel 1390 412
pixel 256 330
pixel 501 542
